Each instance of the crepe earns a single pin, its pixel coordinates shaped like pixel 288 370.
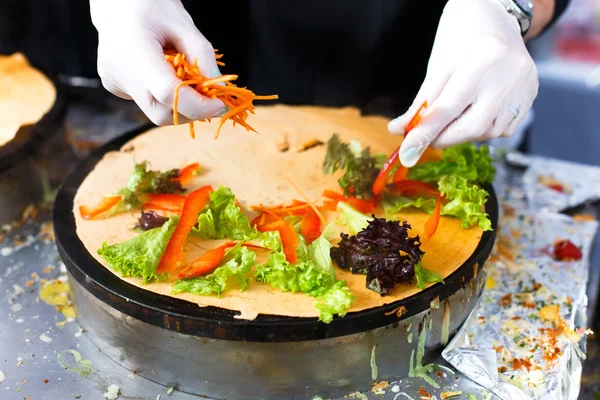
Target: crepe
pixel 27 95
pixel 255 170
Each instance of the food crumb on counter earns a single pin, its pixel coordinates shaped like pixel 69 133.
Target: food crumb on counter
pixel 424 394
pixel 379 387
pixel 356 395
pixel 47 232
pixel 112 393
pixel 447 395
pixel 45 338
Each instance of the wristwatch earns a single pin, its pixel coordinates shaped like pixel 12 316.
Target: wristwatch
pixel 522 10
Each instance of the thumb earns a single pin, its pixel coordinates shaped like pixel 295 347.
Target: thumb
pixel 398 125
pixel 414 145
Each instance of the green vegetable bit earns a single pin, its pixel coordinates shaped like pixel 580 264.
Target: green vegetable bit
pixel 143 181
pixel 236 264
pixel 426 276
pixel 354 220
pixel 463 160
pixel 359 166
pixel 312 274
pixel 466 201
pixel 224 219
pixel 139 256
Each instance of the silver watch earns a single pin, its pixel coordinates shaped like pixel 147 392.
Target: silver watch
pixel 522 10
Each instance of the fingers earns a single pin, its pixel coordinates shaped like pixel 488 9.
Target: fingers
pixel 453 100
pixel 156 112
pixel 162 83
pixel 114 89
pixel 429 91
pixel 471 125
pixel 500 126
pixel 514 124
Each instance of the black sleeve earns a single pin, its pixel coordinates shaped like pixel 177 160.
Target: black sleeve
pixel 559 9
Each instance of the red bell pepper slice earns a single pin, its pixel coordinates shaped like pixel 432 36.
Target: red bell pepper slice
pixel 206 262
pixel 400 174
pixel 416 188
pixel 310 227
pixel 264 219
pixel 411 187
pixel 384 174
pixel 194 204
pixel 416 119
pixel 433 221
pixel 106 204
pixel 210 260
pixel 289 238
pixel 565 250
pixel 164 202
pixel 188 172
pixel 363 206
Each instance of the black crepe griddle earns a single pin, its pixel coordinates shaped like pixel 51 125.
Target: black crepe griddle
pixel 29 138
pixel 21 180
pixel 213 322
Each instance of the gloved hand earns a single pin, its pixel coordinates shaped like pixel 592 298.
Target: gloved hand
pixel 480 81
pixel 132 35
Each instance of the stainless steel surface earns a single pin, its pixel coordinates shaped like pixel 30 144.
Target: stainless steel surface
pixel 300 370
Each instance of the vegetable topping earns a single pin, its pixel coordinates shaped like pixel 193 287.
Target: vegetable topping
pixel 194 204
pixel 360 167
pixel 383 251
pixel 239 100
pixel 150 220
pixel 142 189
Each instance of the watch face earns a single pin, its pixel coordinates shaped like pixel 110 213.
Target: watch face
pixel 526 6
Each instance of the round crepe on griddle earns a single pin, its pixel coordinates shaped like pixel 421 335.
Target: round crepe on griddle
pixel 26 95
pixel 255 169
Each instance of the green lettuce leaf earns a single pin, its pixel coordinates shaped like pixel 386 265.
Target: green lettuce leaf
pixel 236 264
pixel 224 219
pixel 426 276
pixel 139 256
pixel 465 201
pixel 143 181
pixel 463 160
pixel 319 253
pixel 394 204
pixel 313 274
pixel 335 301
pixel 351 218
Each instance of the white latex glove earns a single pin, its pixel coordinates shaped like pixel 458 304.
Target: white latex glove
pixel 132 35
pixel 480 81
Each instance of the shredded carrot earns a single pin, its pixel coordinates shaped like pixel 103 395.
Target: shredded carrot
pixel 238 99
pixel 301 193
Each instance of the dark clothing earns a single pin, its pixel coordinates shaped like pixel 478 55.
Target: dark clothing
pixel 372 54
